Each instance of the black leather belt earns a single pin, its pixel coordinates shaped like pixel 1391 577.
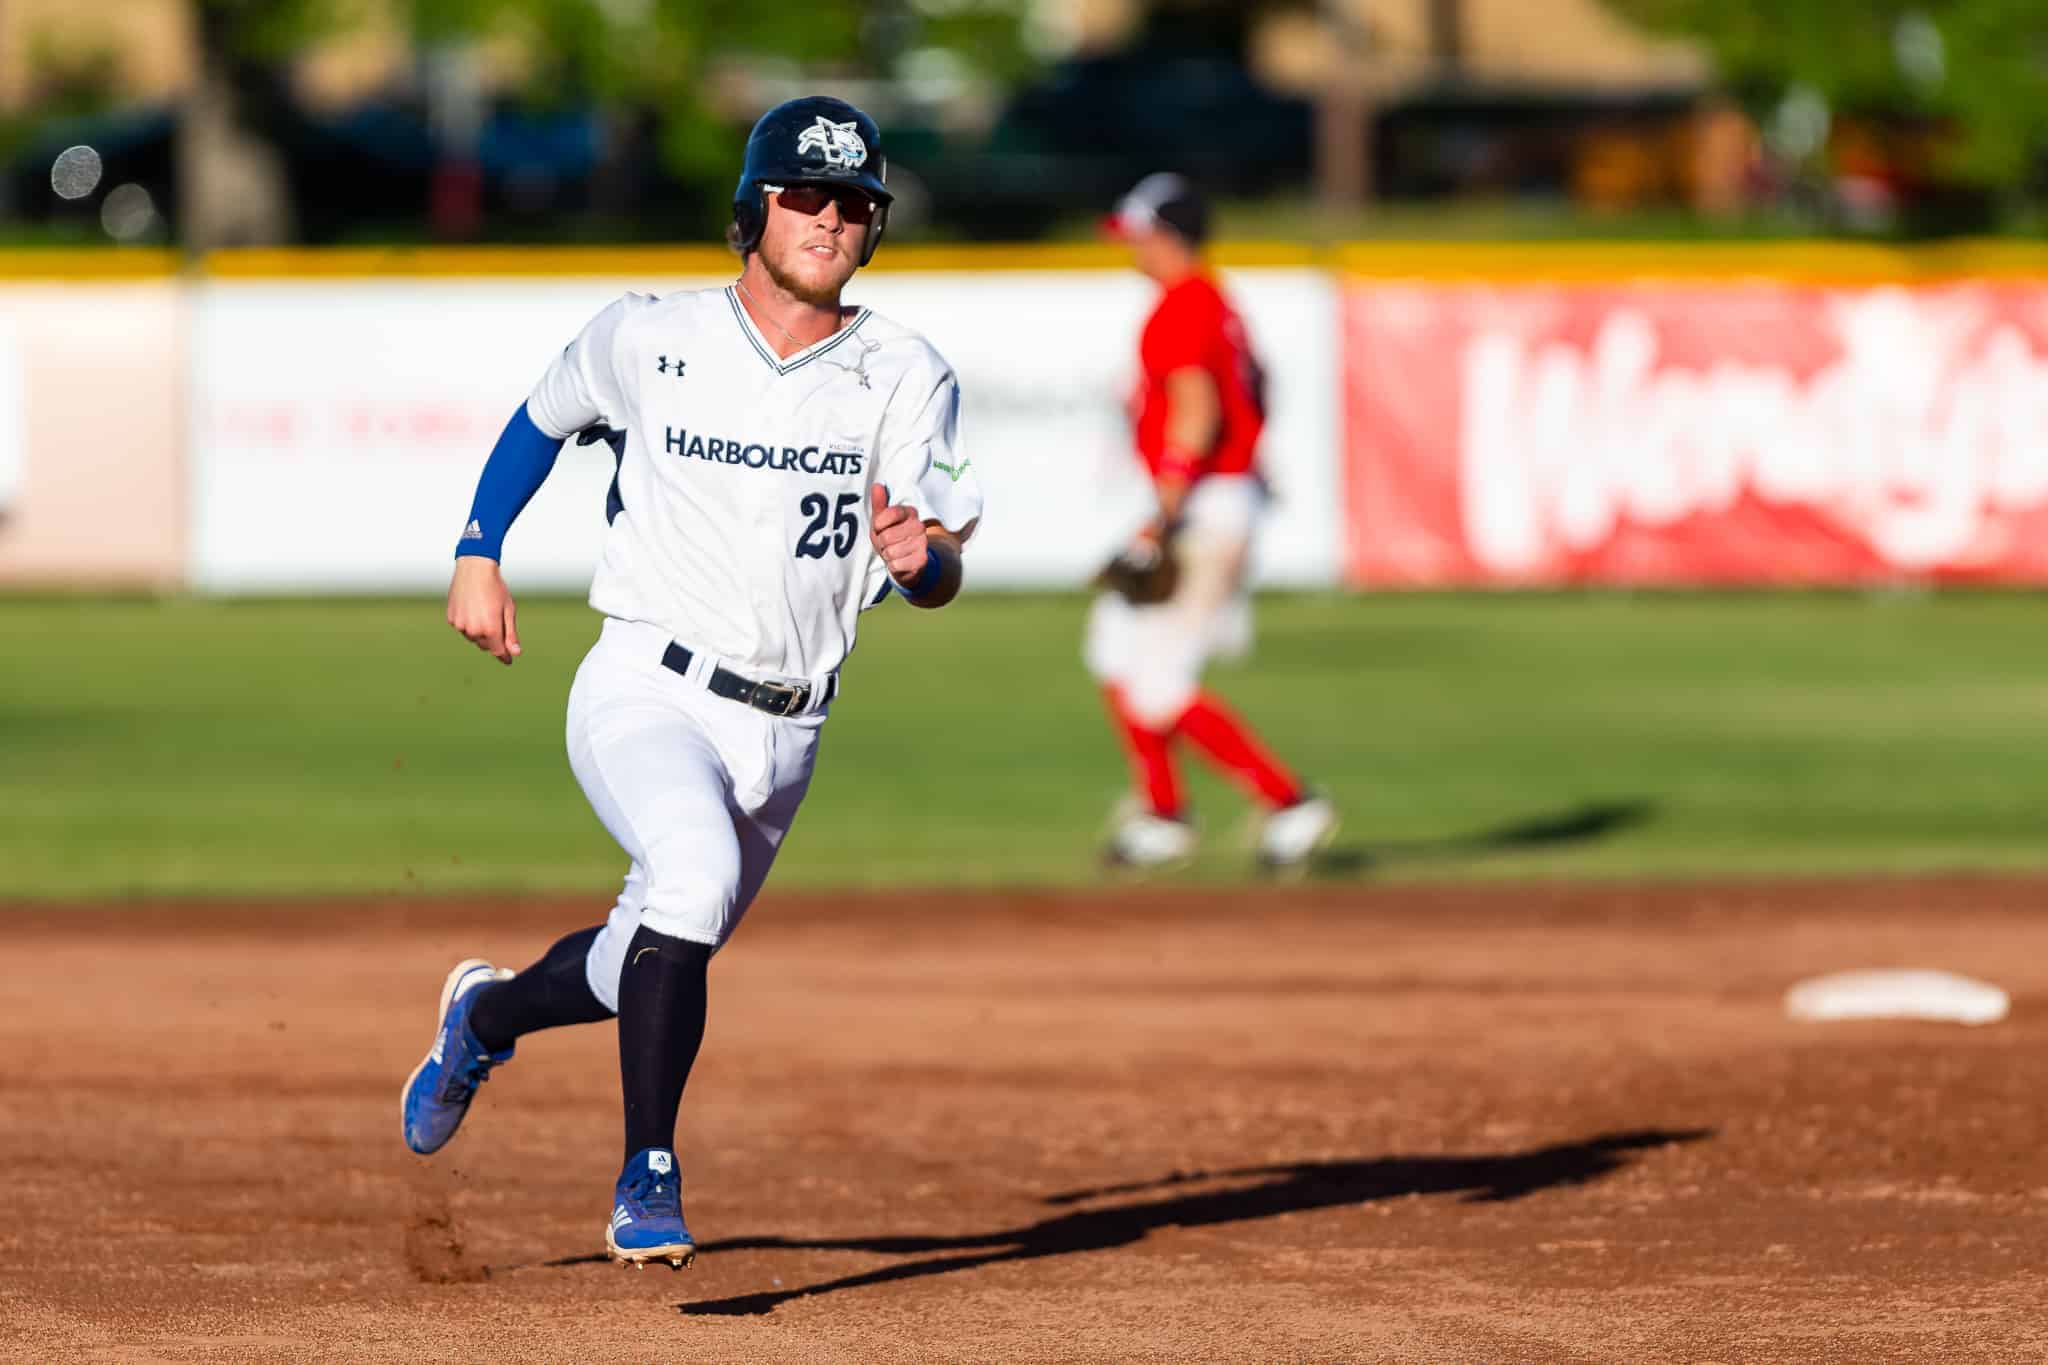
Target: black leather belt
pixel 777 699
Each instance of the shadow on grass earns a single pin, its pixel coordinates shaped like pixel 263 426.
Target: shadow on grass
pixel 1254 1192
pixel 1578 825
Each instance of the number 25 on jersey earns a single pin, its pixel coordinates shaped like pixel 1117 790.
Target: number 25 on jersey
pixel 818 540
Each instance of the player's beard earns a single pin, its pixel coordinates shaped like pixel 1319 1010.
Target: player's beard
pixel 816 295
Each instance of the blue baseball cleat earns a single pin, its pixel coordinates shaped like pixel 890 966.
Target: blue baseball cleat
pixel 438 1092
pixel 647 1213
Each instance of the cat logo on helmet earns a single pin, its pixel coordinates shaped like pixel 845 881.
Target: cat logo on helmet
pixel 838 143
pixel 812 140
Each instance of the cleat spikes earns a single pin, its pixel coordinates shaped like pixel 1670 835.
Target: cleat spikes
pixel 674 1260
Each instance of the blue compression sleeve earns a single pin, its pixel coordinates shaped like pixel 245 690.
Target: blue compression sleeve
pixel 519 464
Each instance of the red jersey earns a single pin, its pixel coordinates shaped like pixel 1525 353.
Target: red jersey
pixel 1195 325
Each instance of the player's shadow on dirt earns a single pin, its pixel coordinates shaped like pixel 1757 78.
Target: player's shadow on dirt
pixel 1254 1192
pixel 1577 825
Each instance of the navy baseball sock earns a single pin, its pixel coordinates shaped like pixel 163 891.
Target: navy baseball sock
pixel 552 992
pixel 661 1024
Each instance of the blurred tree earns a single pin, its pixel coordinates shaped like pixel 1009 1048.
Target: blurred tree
pixel 1981 63
pixel 668 57
pixel 678 67
pixel 260 31
pixel 72 80
pixel 232 188
pixel 67 81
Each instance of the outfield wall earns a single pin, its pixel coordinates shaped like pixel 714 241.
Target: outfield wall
pixel 1441 416
pixel 337 425
pixel 92 396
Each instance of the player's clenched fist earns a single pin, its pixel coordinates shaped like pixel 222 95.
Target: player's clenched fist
pixel 898 536
pixel 481 607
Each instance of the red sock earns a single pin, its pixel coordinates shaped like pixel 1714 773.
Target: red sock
pixel 1151 757
pixel 1230 742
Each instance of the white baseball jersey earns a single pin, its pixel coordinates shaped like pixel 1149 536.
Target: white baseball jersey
pixel 739 518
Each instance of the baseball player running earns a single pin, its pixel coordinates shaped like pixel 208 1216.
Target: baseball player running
pixel 784 462
pixel 1178 595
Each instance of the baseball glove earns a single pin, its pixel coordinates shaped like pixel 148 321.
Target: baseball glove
pixel 1144 575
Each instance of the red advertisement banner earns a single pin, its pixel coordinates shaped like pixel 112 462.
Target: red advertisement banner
pixel 1719 433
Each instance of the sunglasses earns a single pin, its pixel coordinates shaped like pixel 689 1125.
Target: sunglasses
pixel 810 201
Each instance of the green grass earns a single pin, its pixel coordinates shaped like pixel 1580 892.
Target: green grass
pixel 197 746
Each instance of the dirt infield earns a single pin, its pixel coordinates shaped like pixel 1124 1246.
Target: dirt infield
pixel 1552 1123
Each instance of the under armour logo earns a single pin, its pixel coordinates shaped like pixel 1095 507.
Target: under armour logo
pixel 666 367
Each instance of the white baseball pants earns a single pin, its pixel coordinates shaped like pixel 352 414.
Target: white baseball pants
pixel 699 790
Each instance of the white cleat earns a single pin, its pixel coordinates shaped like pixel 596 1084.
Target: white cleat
pixel 1292 835
pixel 1148 842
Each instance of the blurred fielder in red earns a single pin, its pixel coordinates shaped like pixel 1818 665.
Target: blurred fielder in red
pixel 1177 596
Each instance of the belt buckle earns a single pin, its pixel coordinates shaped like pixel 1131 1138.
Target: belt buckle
pixel 780 699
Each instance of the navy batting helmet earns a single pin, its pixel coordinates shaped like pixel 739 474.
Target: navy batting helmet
pixel 816 140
